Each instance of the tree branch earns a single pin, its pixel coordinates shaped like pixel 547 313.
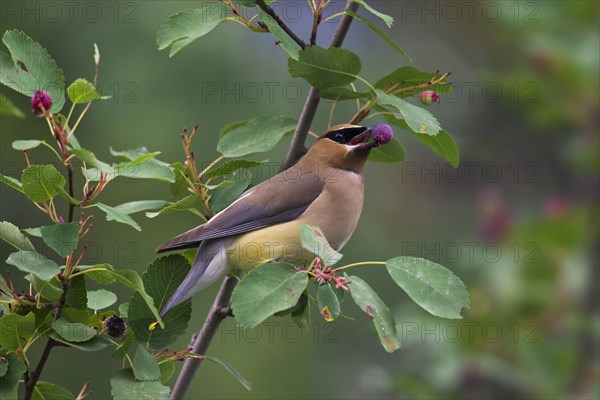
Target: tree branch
pixel 296 149
pixel 263 6
pixel 200 342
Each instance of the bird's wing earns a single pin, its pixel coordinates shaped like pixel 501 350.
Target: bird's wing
pixel 280 199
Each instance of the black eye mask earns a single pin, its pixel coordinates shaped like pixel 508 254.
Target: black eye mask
pixel 345 135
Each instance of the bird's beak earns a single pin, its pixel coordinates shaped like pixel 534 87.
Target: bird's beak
pixel 362 140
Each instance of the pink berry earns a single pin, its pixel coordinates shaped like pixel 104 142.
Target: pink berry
pixel 382 133
pixel 41 101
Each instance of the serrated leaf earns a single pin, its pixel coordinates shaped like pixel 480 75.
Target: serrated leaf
pixel 81 91
pixel 9 383
pixel 73 331
pixel 161 279
pixel 184 204
pixel 131 279
pixel 145 366
pixel 410 77
pixel 62 238
pixel 256 135
pixel 247 384
pixel 15 330
pixel 285 41
pixel 380 33
pixel 266 290
pixel 325 68
pixel 442 144
pixel 417 118
pixel 35 263
pixel 368 301
pixel 391 152
pixel 100 299
pixel 389 21
pixel 12 182
pixel 183 28
pixel 433 287
pixel 230 166
pixel 29 67
pixel 77 295
pixel 26 144
pixel 113 214
pixel 133 207
pixel 314 240
pixel 95 344
pixel 49 391
pixel 41 182
pixel 329 305
pixel 8 108
pixel 13 236
pixel 226 194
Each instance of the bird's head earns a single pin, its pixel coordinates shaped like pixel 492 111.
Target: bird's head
pixel 347 146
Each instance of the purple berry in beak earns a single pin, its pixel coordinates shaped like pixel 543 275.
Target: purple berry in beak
pixel 382 133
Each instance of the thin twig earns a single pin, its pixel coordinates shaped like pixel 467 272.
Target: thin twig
pixel 297 148
pixel 263 6
pixel 200 342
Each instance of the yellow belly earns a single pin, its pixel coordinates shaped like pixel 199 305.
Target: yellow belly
pixel 275 243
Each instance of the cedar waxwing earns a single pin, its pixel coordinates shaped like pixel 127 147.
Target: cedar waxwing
pixel 325 189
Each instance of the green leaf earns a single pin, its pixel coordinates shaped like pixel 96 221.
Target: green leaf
pixel 368 301
pixel 139 159
pixel 301 316
pixel 313 240
pixel 62 238
pixel 326 68
pixel 408 77
pixel 26 144
pixel 417 118
pixel 81 91
pixel 389 21
pixel 12 182
pixel 41 182
pixel 145 366
pixel 47 288
pixel 49 391
pixel 100 299
pixel 329 305
pixel 285 41
pixel 442 144
pixel 341 94
pixel 180 185
pixel 113 214
pixel 90 158
pixel 74 315
pixel 29 67
pixel 8 108
pixel 380 33
pixel 95 344
pixel 256 135
pixel 226 194
pixel 184 204
pixel 123 348
pixel 124 386
pixel 266 290
pixel 167 369
pixel 247 384
pixel 161 279
pixel 73 331
pixel 15 330
pixel 104 275
pixel 230 166
pixel 145 170
pixel 13 236
pixel 231 126
pixel 391 152
pixel 131 279
pixel 138 206
pixel 35 263
pixel 183 28
pixel 9 383
pixel 124 309
pixel 435 288
pixel 77 295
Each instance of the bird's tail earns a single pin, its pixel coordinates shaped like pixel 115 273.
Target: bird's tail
pixel 209 265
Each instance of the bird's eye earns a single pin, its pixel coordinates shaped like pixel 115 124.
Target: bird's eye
pixel 339 137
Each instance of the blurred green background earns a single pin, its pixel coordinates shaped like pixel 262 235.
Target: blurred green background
pixel 518 221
